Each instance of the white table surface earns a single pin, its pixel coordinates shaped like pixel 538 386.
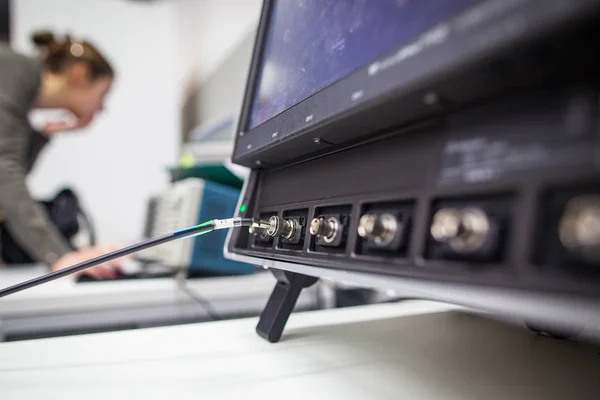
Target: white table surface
pixel 64 305
pixel 65 294
pixel 410 350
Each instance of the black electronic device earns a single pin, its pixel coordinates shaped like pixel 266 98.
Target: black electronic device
pixel 449 150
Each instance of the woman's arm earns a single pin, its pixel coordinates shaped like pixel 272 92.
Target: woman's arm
pixel 27 220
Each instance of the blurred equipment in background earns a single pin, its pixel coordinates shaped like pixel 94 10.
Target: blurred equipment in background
pixel 205 183
pixel 211 118
pixel 190 202
pixel 207 155
pixel 210 142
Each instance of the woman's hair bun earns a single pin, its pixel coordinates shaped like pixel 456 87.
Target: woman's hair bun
pixel 60 52
pixel 43 39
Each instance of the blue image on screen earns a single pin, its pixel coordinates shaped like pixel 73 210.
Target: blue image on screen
pixel 311 44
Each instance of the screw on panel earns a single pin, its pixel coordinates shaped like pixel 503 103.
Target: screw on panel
pixel 319 140
pixel 431 99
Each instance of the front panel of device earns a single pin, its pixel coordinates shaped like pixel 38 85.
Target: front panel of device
pixel 486 173
pixel 503 194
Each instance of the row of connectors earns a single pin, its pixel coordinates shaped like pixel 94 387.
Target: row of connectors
pixel 468 230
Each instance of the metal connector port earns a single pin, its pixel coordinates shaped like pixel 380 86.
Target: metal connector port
pixel 579 228
pixel 469 233
pixel 284 228
pixel 380 230
pixel 328 230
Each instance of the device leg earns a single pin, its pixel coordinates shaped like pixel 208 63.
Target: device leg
pixel 281 303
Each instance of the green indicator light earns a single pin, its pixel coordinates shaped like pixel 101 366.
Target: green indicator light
pixel 187 160
pixel 243 208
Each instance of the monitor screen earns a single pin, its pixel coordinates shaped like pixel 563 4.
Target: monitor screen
pixel 311 44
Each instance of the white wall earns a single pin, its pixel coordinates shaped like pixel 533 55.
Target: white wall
pixel 209 29
pixel 120 160
pixel 160 49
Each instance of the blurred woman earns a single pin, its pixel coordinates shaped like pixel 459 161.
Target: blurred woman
pixel 71 75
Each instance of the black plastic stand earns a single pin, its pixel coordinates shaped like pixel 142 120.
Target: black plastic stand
pixel 281 303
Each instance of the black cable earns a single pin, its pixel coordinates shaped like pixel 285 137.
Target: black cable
pixel 204 303
pixel 183 233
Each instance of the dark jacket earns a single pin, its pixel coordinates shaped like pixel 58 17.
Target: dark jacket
pixel 20 146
